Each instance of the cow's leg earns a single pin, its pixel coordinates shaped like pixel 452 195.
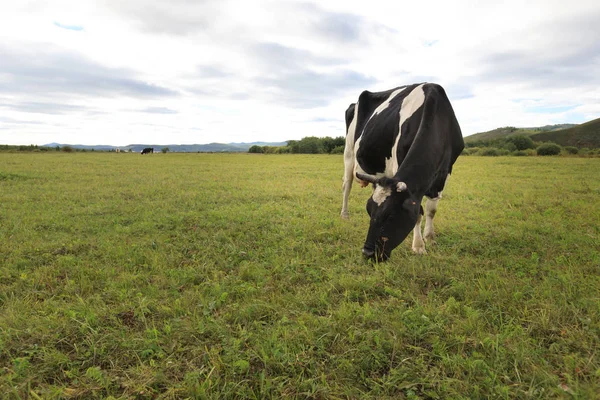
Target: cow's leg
pixel 418 245
pixel 433 197
pixel 347 184
pixel 430 210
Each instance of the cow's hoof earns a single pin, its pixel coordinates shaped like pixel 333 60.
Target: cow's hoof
pixel 430 240
pixel 345 215
pixel 429 237
pixel 419 250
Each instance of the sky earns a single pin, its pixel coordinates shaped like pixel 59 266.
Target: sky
pixel 120 72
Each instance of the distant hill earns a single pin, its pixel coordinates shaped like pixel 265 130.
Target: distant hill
pixel 583 135
pixel 511 130
pixel 99 147
pixel 176 148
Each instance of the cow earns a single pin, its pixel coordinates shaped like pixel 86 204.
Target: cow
pixel 148 150
pixel 403 141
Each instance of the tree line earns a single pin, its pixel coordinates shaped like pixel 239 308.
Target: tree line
pixel 307 145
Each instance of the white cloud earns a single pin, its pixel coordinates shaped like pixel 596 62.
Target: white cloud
pixel 197 72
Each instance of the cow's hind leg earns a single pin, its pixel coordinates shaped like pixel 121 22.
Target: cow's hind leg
pixel 433 197
pixel 430 210
pixel 347 184
pixel 418 245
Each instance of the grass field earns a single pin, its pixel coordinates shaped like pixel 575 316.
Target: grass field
pixel 232 276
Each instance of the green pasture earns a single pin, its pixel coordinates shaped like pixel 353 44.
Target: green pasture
pixel 219 276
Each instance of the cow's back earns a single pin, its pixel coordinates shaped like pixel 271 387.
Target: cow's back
pixel 410 132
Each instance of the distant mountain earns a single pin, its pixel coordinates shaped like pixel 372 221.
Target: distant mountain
pixel 176 148
pixel 511 131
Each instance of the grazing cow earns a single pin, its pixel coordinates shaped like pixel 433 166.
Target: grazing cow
pixel 404 141
pixel 148 150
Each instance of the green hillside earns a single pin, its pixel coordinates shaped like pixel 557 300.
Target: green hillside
pixel 584 135
pixel 499 133
pixel 511 131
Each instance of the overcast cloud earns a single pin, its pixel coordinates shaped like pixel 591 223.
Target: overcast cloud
pixel 116 72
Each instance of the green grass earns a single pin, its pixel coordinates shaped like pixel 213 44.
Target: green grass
pixel 232 276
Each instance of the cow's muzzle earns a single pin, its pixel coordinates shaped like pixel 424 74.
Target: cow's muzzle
pixel 375 254
pixel 368 253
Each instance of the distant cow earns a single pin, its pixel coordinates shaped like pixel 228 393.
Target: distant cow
pixel 148 150
pixel 404 141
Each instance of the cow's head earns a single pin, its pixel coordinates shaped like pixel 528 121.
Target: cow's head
pixel 393 213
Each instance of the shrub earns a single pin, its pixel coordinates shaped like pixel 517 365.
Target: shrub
pixel 256 149
pixel 310 145
pixel 571 149
pixel 67 149
pixel 470 150
pixel 548 149
pixel 510 147
pixel 270 149
pixel 521 142
pixel 488 151
pixel 338 150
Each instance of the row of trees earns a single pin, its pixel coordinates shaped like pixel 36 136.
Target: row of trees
pixel 307 145
pixel 36 148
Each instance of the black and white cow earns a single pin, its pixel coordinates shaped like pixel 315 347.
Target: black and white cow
pixel 404 141
pixel 148 150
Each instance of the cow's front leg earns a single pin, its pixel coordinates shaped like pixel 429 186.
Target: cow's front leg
pixel 418 245
pixel 430 210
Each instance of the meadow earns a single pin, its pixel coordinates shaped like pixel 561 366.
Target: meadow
pixel 219 276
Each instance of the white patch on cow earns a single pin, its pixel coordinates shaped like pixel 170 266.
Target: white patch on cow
pixel 410 104
pixel 357 167
pixel 381 193
pixel 389 167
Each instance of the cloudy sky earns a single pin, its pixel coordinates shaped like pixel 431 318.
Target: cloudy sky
pixel 182 71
